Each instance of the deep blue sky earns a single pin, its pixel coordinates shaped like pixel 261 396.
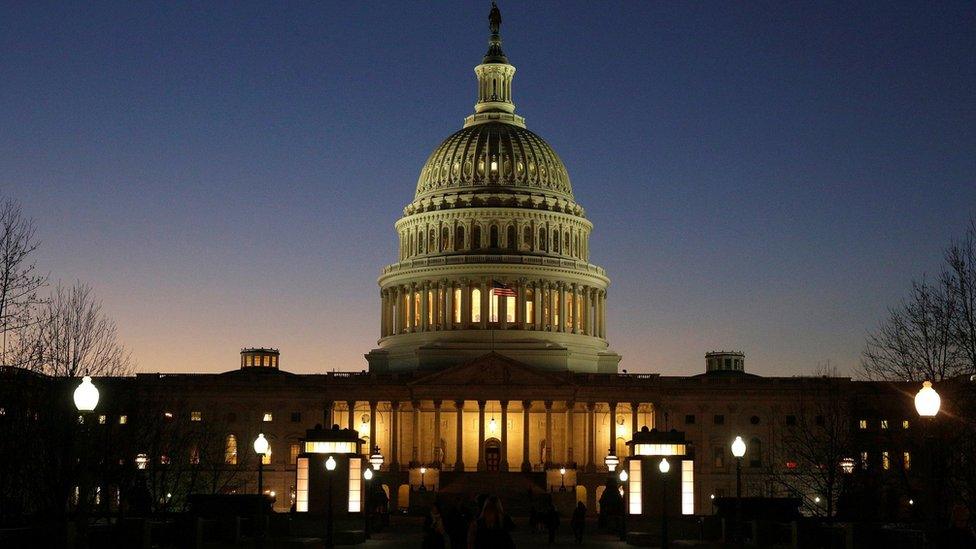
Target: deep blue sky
pixel 766 177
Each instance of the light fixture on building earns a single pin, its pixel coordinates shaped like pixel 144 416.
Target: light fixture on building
pixel 142 460
pixel 330 464
pixel 368 474
pixel 664 466
pixel 847 465
pixel 86 395
pixel 611 462
pixel 816 499
pixel 376 458
pixel 927 401
pixel 623 475
pixel 491 426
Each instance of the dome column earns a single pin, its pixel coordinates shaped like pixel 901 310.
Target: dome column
pixel 588 324
pixel 459 436
pixel 504 445
pixel 502 310
pixel 537 306
pixel 481 432
pixel 448 305
pixel 424 306
pixel 526 464
pixel 485 304
pixel 465 304
pixel 562 307
pixel 576 309
pixel 411 307
pixel 520 304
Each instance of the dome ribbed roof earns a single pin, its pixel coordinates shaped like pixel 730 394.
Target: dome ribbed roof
pixel 494 157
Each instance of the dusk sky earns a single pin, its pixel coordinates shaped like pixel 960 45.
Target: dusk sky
pixel 765 177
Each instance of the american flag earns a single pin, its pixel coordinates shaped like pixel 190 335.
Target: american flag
pixel 500 289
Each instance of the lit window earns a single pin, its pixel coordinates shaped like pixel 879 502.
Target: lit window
pixel 141 461
pixel 687 487
pixel 123 420
pixel 529 306
pixel 906 460
pixel 635 493
pixel 904 424
pixel 266 457
pixel 230 450
pixel 81 419
pixel 168 415
pixel 475 305
pixel 102 419
pixel 884 423
pixel 194 455
pixel 164 459
pixel 3 411
pixel 863 424
pixel 267 417
pixel 294 450
pixel 885 461
pixel 355 484
pixel 864 460
pixel 301 488
pixel 196 416
pixel 456 304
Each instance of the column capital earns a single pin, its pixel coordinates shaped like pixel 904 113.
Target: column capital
pixel 526 404
pixel 437 405
pixel 590 406
pixel 481 405
pixel 415 404
pixel 459 404
pixel 548 404
pixel 504 404
pixel 395 405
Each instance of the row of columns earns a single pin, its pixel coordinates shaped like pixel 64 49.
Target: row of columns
pixel 411 241
pixel 437 307
pixel 592 452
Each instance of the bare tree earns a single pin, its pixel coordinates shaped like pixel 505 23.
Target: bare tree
pixel 918 340
pixel 961 282
pixel 19 278
pixel 73 337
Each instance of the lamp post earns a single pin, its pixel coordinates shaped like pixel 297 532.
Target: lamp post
pixel 562 479
pixel 261 449
pixel 375 461
pixel 86 399
pixel 367 476
pixel 330 465
pixel 664 467
pixel 927 404
pixel 738 450
pixel 623 476
pixel 423 485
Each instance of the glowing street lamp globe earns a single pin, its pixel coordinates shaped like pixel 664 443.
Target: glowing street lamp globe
pixel 664 466
pixel 261 445
pixel 738 447
pixel 927 401
pixel 623 475
pixel 86 395
pixel 368 474
pixel 330 464
pixel 562 470
pixel 423 470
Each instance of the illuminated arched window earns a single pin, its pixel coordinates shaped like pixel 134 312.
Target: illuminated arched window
pixel 529 305
pixel 230 450
pixel 475 305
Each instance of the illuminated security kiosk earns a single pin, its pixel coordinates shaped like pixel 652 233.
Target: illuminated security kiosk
pixel 654 489
pixel 329 472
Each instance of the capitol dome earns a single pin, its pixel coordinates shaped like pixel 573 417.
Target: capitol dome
pixel 493 250
pixel 494 157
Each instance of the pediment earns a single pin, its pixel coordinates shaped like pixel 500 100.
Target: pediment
pixel 491 369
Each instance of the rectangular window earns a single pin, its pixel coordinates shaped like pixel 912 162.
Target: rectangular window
pixel 510 309
pixel 196 416
pixel 529 306
pixel 864 460
pixel 355 483
pixel 123 419
pixel 430 307
pixel 690 419
pixel 819 420
pixel 101 419
pixel 493 307
pixel 791 420
pixel 884 423
pixel 293 452
pixel 719 457
pixel 885 461
pixel 862 424
pixel 687 487
pixel 301 488
pixel 634 493
pixel 266 458
pixel 904 424
pixel 719 419
pixel 268 416
pixel 906 460
pixel 456 305
pixel 296 417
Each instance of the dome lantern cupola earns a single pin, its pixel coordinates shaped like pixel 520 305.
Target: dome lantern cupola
pixel 495 76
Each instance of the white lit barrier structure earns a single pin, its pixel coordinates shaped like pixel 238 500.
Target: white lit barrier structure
pixel 645 481
pixel 316 476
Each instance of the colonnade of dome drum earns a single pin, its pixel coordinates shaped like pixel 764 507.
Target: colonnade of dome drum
pixel 482 303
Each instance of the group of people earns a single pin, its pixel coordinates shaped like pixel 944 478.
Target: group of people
pixel 489 527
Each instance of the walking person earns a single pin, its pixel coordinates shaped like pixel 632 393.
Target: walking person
pixel 435 534
pixel 578 522
pixel 551 519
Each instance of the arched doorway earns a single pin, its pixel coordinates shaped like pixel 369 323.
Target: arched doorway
pixel 493 455
pixel 403 496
